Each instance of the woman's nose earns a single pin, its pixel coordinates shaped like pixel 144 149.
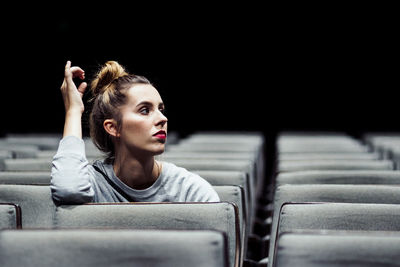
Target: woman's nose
pixel 162 119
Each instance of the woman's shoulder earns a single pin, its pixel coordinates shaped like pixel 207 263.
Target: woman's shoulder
pixel 195 188
pixel 181 174
pixel 172 169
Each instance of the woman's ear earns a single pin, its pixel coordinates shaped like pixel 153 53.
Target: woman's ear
pixel 110 125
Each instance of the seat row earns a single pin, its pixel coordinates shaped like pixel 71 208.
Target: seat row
pixel 335 202
pixel 233 163
pixel 113 247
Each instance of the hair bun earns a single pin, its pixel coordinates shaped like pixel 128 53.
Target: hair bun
pixel 103 80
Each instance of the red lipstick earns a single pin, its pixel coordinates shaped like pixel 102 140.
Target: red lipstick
pixel 161 134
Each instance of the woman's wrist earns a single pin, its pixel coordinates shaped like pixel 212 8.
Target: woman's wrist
pixel 74 112
pixel 73 124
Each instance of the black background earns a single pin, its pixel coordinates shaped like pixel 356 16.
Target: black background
pixel 228 67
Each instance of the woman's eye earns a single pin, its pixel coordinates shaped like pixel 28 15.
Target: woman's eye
pixel 162 110
pixel 145 111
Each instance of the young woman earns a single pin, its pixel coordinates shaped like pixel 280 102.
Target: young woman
pixel 127 123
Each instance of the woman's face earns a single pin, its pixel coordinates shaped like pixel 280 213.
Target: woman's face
pixel 144 125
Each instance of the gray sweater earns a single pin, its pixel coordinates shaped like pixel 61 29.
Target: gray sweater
pixel 75 181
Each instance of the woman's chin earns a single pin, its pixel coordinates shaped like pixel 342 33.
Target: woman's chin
pixel 159 150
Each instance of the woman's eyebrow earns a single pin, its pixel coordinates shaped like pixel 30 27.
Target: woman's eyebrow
pixel 148 103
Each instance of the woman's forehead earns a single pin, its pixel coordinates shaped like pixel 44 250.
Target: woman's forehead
pixel 143 92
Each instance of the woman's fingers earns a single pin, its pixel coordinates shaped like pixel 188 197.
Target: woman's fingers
pixel 73 72
pixel 68 65
pixel 71 94
pixel 70 74
pixel 78 72
pixel 67 70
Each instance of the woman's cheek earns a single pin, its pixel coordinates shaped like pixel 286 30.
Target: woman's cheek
pixel 136 123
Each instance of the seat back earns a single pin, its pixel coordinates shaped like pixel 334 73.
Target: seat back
pixel 384 194
pixel 27 164
pixel 5 154
pixel 27 178
pixel 19 150
pixel 235 194
pixel 221 216
pixel 338 249
pixel 291 166
pixel 339 177
pixel 36 203
pixel 318 144
pixel 10 216
pixel 235 178
pixel 170 156
pixel 117 248
pixel 339 216
pixel 328 156
pixel 214 147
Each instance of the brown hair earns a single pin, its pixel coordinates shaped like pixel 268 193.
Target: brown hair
pixel 109 88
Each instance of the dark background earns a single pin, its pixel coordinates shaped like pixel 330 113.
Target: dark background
pixel 229 67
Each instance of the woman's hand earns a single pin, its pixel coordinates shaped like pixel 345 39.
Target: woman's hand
pixel 73 96
pixel 73 100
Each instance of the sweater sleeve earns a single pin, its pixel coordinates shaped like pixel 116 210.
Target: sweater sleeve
pixel 70 178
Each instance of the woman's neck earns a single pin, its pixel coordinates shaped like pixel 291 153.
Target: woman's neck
pixel 136 173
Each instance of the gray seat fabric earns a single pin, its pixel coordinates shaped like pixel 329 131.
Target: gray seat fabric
pixel 339 177
pixel 290 166
pixel 119 248
pixel 338 249
pixel 19 150
pixel 5 154
pixel 375 139
pixel 28 164
pixel 43 142
pixel 222 137
pixel 339 216
pixel 320 147
pixel 384 194
pixel 221 216
pixel 318 143
pixel 223 165
pixel 395 156
pixel 306 135
pixel 10 216
pixel 255 153
pixel 38 208
pixel 27 178
pixel 214 147
pixel 382 143
pixel 312 148
pixel 36 204
pixel 254 150
pixel 204 155
pixel 328 156
pixel 214 177
pixel 232 178
pixel 235 194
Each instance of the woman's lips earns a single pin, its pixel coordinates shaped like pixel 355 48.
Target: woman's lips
pixel 161 134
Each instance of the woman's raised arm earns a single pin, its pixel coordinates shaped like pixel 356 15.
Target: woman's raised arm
pixel 70 177
pixel 73 103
